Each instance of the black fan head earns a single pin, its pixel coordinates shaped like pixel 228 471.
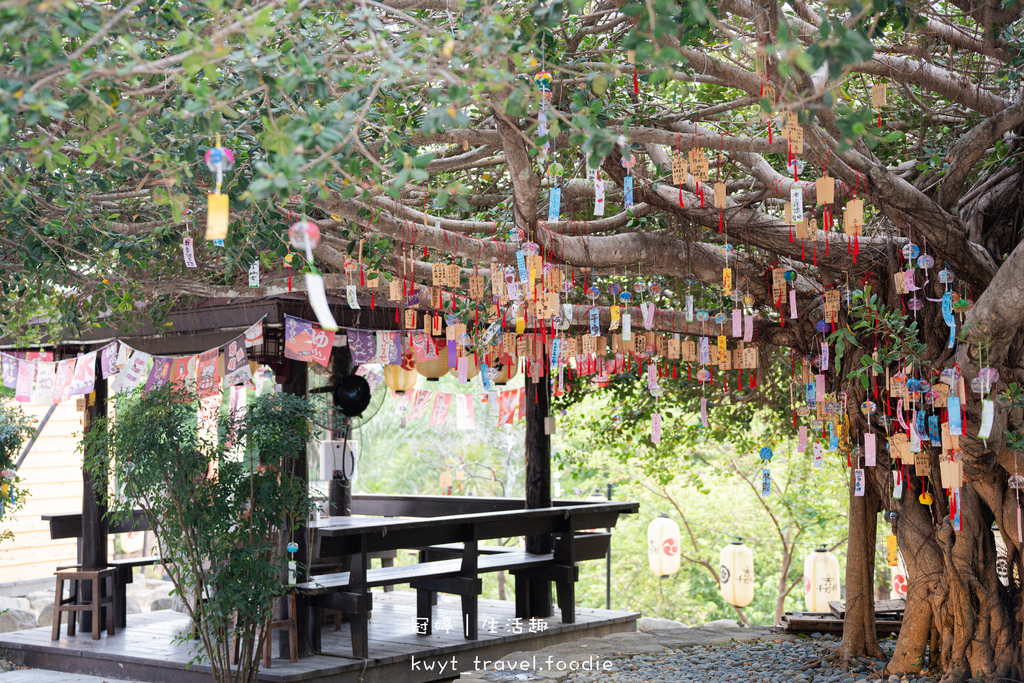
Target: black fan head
pixel 351 395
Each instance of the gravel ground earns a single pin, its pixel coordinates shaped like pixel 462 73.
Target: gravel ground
pixel 749 662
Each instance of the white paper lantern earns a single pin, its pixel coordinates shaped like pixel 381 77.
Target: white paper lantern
pixel 663 546
pixel 821 580
pixel 736 575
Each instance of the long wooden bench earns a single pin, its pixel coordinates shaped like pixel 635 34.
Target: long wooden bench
pixel 349 592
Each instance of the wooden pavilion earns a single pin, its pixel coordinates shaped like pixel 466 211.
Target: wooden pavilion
pixel 215 322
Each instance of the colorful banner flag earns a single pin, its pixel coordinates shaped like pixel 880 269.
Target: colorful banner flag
pixel 108 360
pixel 323 342
pixel 207 380
pixel 42 388
pixel 362 344
pixel 464 417
pixel 26 379
pixel 183 370
pixel 84 379
pixel 442 402
pixel 236 362
pixel 298 338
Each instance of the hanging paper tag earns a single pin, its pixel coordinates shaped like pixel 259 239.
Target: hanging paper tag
pixel 556 351
pixel 869 450
pixel 350 296
pixel 824 356
pixel 689 308
pixel 649 316
pixel 987 416
pixel 598 197
pixel 897 484
pixel 737 322
pixel 955 425
pixel 614 310
pixel 819 388
pixel 947 317
pixel 792 304
pixel 254 274
pixel 627 191
pixel 554 203
pixel 188 250
pixel 748 328
pixel 954 505
pixel 833 438
pixel 704 412
pixel 463 370
pixel 801 443
pixel 858 482
pixel 626 329
pixel 652 378
pixel 523 274
pixel 819 454
pixel 216 216
pixel 489 334
pixel 703 354
pixel 796 199
pixel 915 438
pixel 485 378
pixel 656 428
pixel 766 482
pixel 318 302
pixel 595 322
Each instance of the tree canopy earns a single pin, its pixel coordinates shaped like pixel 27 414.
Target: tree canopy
pixel 410 132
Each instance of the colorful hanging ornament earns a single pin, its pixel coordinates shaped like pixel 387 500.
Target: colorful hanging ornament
pixel 219 160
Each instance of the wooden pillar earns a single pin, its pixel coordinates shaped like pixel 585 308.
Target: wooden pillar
pixel 94 523
pixel 538 484
pixel 297 384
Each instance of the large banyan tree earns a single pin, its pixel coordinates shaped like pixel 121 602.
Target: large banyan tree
pixel 418 131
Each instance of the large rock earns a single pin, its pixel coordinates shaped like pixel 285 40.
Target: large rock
pixel 40 599
pixel 655 623
pixel 160 604
pixel 17 620
pixel 45 617
pixel 724 624
pixel 132 605
pixel 7 603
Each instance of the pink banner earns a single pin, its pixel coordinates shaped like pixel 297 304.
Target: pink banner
pixel 440 412
pixel 323 341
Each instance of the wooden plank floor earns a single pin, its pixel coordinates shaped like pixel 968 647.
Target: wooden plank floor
pixel 146 650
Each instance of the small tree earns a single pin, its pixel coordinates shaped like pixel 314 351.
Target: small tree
pixel 218 518
pixel 15 427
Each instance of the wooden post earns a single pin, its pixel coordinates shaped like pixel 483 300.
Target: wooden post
pixel 297 384
pixel 94 522
pixel 538 485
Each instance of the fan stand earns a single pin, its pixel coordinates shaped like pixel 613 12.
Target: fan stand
pixel 339 498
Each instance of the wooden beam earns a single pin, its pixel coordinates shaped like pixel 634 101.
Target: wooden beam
pixel 94 522
pixel 297 384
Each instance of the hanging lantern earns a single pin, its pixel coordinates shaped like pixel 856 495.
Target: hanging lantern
pixel 434 368
pixel 736 575
pixel 821 580
pixel 399 379
pixel 898 574
pixel 472 369
pixel 663 546
pixel 506 371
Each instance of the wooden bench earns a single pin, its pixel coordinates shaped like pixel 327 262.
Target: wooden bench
pixel 125 574
pixel 460 535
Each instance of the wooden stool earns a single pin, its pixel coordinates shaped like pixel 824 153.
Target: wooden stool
pixel 293 636
pixel 97 579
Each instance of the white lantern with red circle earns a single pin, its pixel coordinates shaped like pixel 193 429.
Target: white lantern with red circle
pixel 821 580
pixel 898 574
pixel 663 546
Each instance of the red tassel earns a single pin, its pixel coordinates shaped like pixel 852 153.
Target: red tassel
pixel 636 83
pixel 769 133
pixel 362 277
pixel 396 315
pixel 689 372
pixel 752 377
pixel 289 279
pixel 720 224
pixel 849 245
pixel 791 233
pixel 680 196
pixel 675 374
pixel 739 381
pixel 372 307
pixel 814 249
pixel 803 251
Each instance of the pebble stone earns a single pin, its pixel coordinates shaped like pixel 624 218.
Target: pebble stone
pixel 747 662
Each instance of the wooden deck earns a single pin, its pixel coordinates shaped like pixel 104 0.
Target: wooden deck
pixel 146 651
